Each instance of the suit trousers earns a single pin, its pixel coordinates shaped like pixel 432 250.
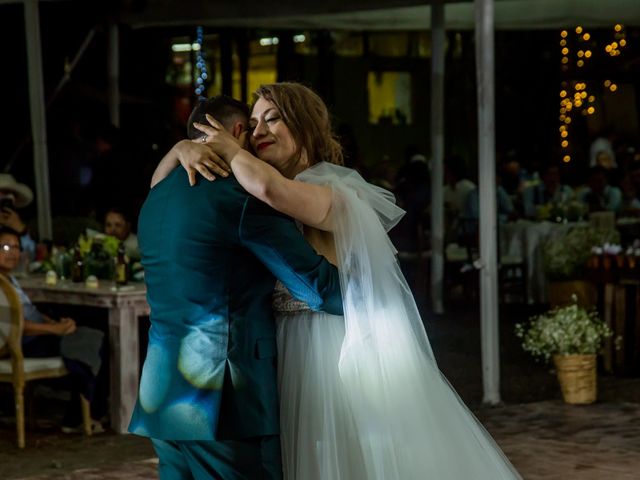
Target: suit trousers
pixel 250 459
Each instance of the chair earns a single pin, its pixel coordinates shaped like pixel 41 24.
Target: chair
pixel 18 370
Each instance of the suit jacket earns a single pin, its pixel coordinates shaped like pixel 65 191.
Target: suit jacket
pixel 211 254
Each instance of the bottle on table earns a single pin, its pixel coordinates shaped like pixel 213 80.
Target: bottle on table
pixel 77 266
pixel 122 266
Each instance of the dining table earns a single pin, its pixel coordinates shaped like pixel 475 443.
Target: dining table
pixel 525 239
pixel 125 304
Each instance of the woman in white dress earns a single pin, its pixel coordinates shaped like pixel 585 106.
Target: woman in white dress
pixel 361 395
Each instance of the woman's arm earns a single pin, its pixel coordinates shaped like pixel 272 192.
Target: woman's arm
pixel 310 204
pixel 307 203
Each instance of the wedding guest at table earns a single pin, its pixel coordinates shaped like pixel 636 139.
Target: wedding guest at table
pixel 118 224
pixel 456 189
pixel 471 215
pixel 82 349
pixel 549 190
pixel 599 195
pixel 630 201
pixel 15 195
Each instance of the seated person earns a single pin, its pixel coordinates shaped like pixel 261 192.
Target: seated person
pixel 16 195
pixel 471 214
pixel 44 337
pixel 117 224
pixel 550 190
pixel 599 196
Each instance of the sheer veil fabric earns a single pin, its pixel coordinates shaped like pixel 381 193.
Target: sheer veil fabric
pixel 361 395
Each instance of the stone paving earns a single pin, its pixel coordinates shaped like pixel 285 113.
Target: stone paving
pixel 545 440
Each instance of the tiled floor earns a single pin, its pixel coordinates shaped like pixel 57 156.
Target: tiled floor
pixel 544 440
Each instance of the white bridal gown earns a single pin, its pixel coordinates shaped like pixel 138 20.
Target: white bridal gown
pixel 361 395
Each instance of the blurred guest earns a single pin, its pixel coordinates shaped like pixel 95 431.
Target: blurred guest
pixel 471 214
pixel 118 224
pixel 550 190
pixel 630 201
pixel 457 184
pixel 81 348
pixel 413 189
pixel 601 151
pixel 16 195
pixel 599 195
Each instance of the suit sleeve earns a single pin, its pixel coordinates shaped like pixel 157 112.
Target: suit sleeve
pixel 279 245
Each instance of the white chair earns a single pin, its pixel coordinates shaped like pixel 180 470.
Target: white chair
pixel 19 370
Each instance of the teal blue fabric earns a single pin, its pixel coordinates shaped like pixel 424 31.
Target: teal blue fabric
pixel 255 458
pixel 211 254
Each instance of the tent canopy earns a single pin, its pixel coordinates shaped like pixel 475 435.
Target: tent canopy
pixel 382 14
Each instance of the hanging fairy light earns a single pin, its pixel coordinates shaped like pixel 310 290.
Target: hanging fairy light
pixel 201 65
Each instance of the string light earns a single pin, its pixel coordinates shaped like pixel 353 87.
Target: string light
pixel 201 65
pixel 575 96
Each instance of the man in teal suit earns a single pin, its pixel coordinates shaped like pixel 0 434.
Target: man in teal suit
pixel 211 254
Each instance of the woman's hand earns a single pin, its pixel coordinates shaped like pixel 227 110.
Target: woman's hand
pixel 222 142
pixel 197 157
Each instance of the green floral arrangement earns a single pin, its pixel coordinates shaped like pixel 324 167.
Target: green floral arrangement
pixel 569 330
pixel 107 243
pixel 566 256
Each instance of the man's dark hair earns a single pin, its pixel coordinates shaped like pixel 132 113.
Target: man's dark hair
pixel 223 108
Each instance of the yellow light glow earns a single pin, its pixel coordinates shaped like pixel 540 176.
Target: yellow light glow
pixel 565 51
pixel 613 87
pixel 618 27
pixel 564 143
pixel 563 93
pixel 608 49
pixel 578 86
pixel 592 98
pixel 586 37
pixel 587 54
pixel 563 118
pixel 564 134
pixel 563 42
pixel 580 63
pixel 567 120
pixel 578 29
pixel 607 83
pixel 583 94
pixel 569 107
pixel 563 34
pixel 614 45
pixel 578 103
pixel 591 110
pixel 623 42
pixel 565 60
pixel 563 128
pixel 566 159
pixel 580 53
pixel 563 111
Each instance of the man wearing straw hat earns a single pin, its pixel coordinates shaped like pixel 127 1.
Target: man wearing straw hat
pixel 15 195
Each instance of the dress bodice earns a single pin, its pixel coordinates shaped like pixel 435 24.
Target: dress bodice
pixel 284 302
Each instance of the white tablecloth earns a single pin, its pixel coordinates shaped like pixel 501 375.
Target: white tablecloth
pixel 525 239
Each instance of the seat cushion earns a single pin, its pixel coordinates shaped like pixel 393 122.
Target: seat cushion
pixel 34 364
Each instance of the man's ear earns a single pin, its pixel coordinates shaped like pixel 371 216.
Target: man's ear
pixel 237 129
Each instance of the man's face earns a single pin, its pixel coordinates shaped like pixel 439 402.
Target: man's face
pixel 9 252
pixel 116 225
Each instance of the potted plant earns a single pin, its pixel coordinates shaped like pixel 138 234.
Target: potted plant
pixel 565 263
pixel 572 336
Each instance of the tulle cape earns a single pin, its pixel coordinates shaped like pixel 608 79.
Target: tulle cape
pixel 402 418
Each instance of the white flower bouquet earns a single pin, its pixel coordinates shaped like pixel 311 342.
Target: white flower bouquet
pixel 569 330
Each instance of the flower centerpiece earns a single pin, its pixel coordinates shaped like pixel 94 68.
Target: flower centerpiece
pixel 572 336
pixel 565 263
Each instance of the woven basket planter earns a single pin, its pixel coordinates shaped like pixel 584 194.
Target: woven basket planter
pixel 577 377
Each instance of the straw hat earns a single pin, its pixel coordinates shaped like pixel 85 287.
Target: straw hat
pixel 22 194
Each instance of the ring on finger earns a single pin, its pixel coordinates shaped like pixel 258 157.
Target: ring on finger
pixel 204 139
